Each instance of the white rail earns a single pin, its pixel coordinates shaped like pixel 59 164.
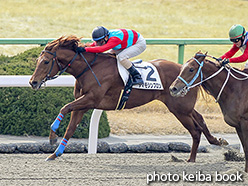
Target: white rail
pixel 23 81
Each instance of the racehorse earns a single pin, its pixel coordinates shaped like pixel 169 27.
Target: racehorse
pixel 230 93
pixel 60 55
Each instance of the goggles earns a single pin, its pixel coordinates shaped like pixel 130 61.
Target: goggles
pixel 235 40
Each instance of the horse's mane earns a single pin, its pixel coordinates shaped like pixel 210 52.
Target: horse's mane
pixel 69 42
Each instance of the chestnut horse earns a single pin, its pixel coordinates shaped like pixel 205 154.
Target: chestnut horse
pixel 60 55
pixel 227 90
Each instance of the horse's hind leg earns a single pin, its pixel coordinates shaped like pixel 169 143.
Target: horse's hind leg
pixel 211 139
pixel 188 123
pixel 76 117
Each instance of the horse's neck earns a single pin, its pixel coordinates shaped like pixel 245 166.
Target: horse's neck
pixel 214 85
pixel 79 64
pixel 96 61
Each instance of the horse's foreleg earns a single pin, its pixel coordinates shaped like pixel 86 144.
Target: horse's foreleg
pixel 75 105
pixel 188 123
pixel 53 137
pixel 76 117
pixel 211 139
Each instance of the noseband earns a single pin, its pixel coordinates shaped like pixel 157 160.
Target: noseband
pixel 188 85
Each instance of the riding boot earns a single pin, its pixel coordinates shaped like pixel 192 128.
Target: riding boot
pixel 137 80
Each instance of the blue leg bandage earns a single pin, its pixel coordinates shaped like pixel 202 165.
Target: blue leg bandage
pixel 56 123
pixel 59 151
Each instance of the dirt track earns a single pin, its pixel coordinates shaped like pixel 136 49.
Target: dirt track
pixel 111 169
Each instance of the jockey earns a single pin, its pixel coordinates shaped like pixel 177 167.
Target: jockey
pixel 239 37
pixel 125 43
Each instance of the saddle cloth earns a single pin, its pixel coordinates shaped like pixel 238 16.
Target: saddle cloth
pixel 149 74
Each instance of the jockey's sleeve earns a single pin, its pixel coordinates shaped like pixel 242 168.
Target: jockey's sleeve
pixel 112 42
pixel 241 58
pixel 231 52
pixel 93 44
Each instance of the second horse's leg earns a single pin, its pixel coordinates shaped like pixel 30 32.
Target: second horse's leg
pixel 188 123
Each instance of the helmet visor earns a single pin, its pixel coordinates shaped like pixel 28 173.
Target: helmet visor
pixel 98 38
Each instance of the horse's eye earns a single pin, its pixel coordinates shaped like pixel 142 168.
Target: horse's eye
pixel 46 62
pixel 191 70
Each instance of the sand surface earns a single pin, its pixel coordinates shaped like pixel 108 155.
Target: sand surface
pixel 115 169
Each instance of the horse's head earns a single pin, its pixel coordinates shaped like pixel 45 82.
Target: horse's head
pixel 191 72
pixel 48 63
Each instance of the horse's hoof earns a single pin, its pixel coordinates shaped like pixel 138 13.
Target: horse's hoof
pixel 191 161
pixel 51 157
pixel 223 142
pixel 53 141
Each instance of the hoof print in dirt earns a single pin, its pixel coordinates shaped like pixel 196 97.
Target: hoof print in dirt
pixel 175 159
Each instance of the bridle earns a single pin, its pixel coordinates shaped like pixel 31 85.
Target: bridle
pixel 199 71
pixel 227 67
pixel 62 70
pixel 54 59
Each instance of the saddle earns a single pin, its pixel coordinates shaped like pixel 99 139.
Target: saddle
pixel 149 75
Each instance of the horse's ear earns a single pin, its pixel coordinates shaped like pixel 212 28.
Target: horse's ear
pixel 200 54
pixel 206 53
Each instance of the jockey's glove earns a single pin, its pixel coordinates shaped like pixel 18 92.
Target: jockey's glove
pixel 224 62
pixel 219 59
pixel 80 49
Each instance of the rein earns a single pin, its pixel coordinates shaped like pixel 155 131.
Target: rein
pixel 48 77
pixel 89 67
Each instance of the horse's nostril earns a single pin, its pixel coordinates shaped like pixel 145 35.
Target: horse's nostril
pixel 173 89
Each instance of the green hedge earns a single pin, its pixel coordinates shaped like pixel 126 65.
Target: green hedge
pixel 21 64
pixel 24 111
